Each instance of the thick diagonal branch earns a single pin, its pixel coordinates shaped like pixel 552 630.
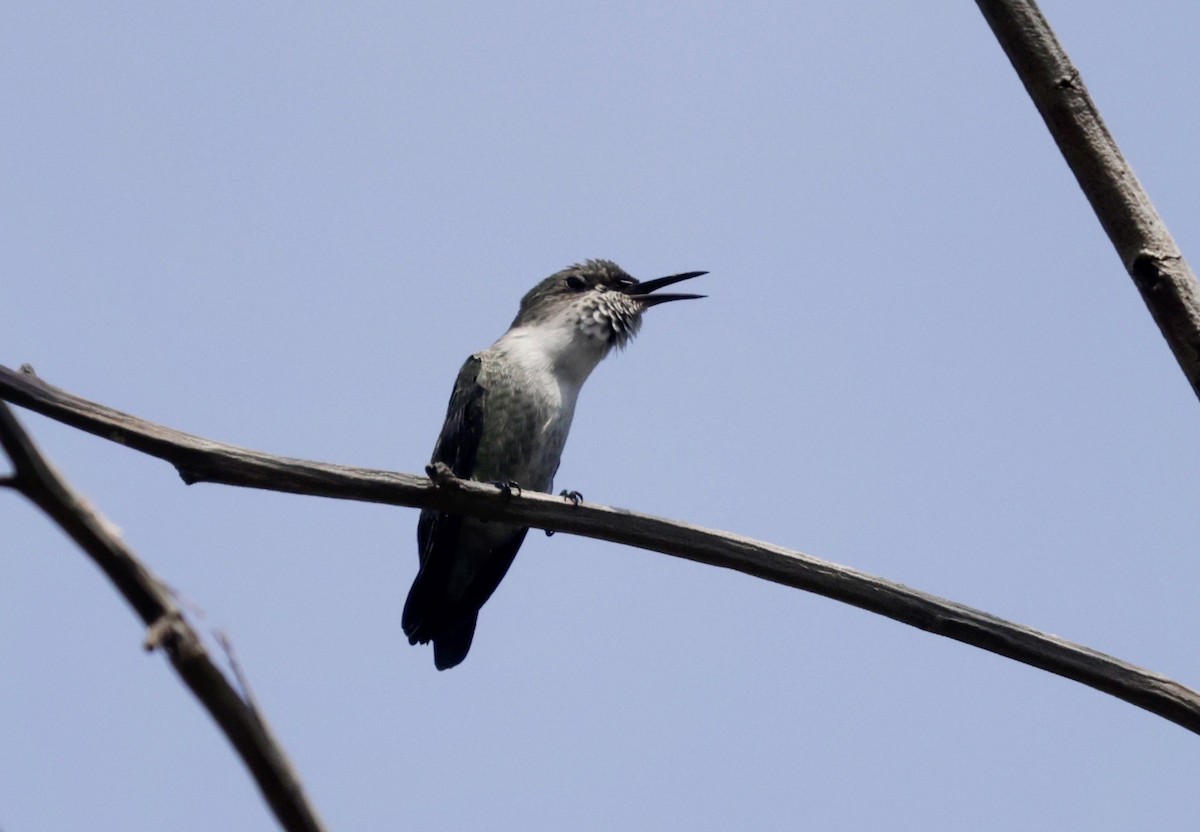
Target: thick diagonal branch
pixel 34 477
pixel 204 460
pixel 1162 276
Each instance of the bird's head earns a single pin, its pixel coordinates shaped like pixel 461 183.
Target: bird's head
pixel 597 298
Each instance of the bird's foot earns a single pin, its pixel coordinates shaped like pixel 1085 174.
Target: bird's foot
pixel 440 474
pixel 508 487
pixel 574 496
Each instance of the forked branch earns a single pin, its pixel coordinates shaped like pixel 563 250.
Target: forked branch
pixel 166 626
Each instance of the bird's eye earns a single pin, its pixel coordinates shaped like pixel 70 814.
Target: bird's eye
pixel 577 283
pixel 626 282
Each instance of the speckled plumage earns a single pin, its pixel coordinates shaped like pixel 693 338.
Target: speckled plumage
pixel 508 420
pixel 602 309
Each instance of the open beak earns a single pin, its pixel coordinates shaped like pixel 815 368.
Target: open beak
pixel 641 291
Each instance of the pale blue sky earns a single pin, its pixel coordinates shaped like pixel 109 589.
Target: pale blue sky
pixel 285 226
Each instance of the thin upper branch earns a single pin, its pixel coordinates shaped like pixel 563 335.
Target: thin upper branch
pixel 1155 263
pixel 201 459
pixel 36 478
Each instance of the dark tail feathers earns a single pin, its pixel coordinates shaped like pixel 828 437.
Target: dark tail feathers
pixel 452 648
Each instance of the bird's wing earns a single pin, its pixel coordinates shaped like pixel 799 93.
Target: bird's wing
pixel 438 533
pixel 458 442
pixel 451 544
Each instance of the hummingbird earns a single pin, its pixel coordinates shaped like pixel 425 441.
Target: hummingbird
pixel 506 424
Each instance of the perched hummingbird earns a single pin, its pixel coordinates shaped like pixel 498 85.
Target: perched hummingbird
pixel 507 423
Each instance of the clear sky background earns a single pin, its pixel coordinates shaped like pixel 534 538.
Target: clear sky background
pixel 286 226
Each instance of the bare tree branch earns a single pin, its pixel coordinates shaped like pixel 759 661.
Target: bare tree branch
pixel 201 459
pixel 1163 277
pixel 36 478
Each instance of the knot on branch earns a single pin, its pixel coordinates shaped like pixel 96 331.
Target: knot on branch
pixel 186 474
pixel 1068 82
pixel 165 632
pixel 1149 270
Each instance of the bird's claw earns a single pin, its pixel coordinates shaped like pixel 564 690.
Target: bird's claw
pixel 508 487
pixel 440 474
pixel 574 496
